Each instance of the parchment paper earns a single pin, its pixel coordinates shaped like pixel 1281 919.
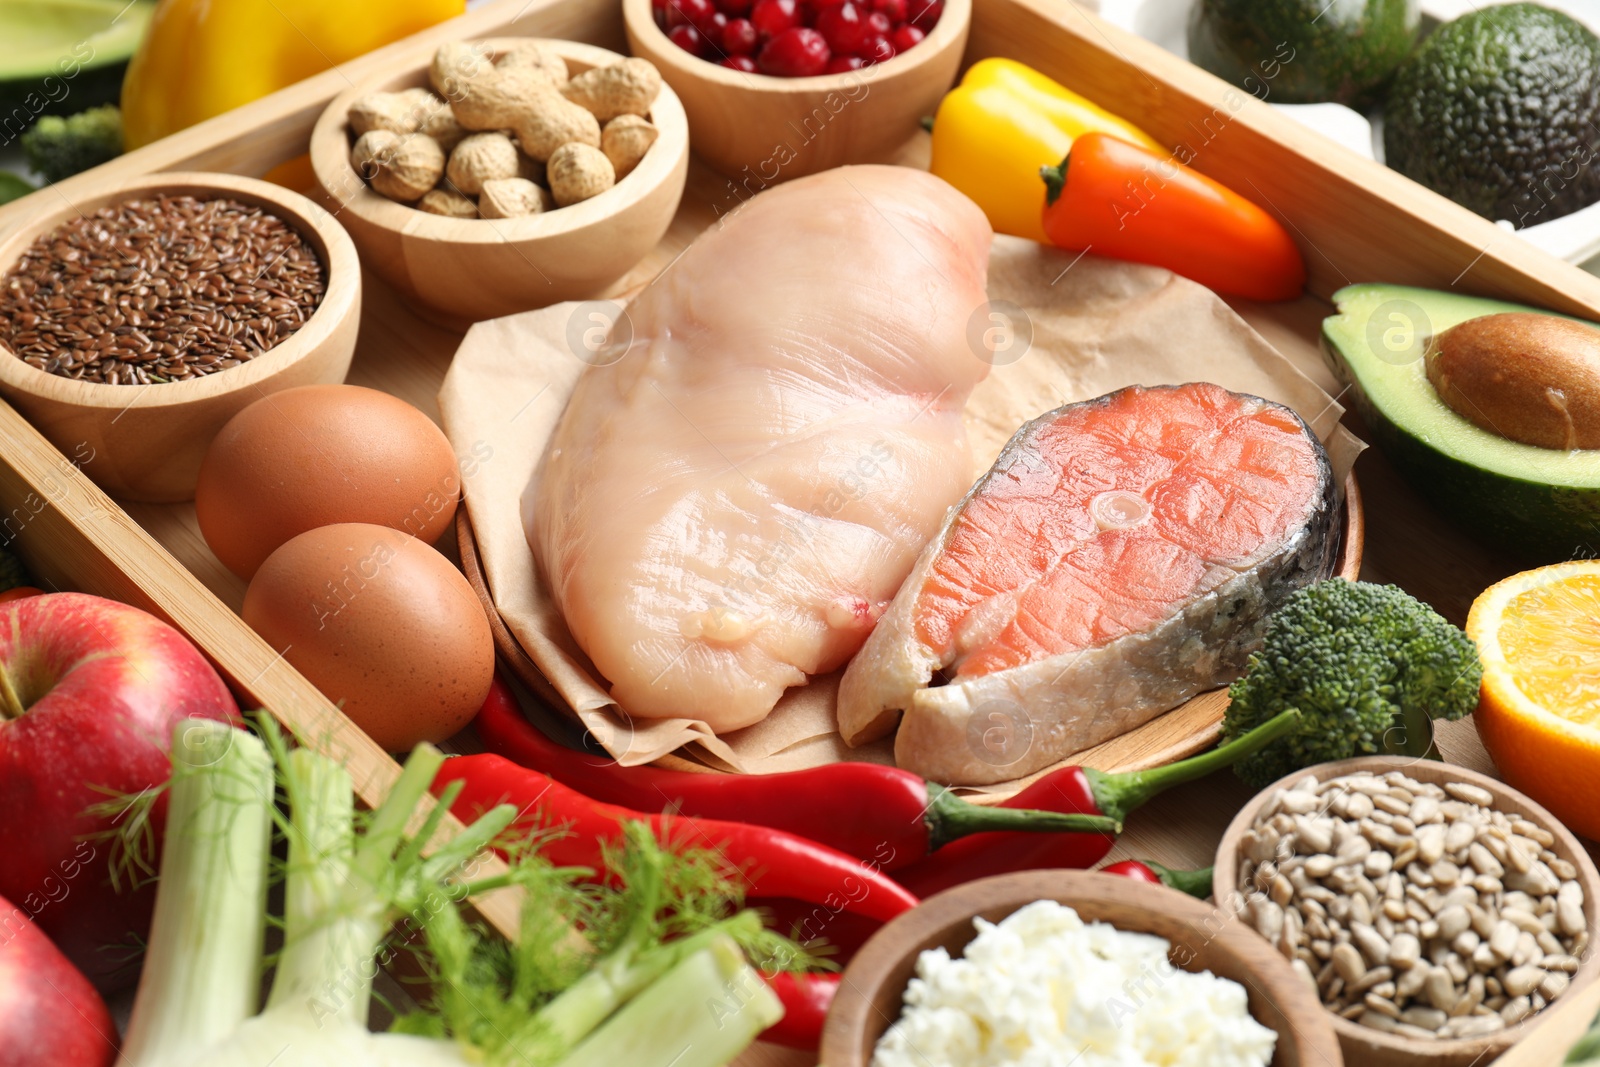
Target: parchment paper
pixel 1087 326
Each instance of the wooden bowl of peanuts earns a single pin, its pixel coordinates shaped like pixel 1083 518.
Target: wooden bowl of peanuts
pixel 1435 909
pixel 504 174
pixel 138 318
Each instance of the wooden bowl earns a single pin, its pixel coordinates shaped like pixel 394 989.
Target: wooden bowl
pixel 463 270
pixel 759 130
pixel 1202 938
pixel 145 442
pixel 1373 1048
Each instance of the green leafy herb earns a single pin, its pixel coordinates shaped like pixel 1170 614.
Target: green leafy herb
pixel 604 974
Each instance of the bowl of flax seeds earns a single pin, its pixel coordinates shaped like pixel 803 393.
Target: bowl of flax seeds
pixel 134 323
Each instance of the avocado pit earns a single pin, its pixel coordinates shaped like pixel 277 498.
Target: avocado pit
pixel 1521 375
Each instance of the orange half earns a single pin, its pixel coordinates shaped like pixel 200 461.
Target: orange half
pixel 1538 634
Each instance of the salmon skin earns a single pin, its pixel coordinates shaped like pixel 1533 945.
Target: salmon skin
pixel 1120 557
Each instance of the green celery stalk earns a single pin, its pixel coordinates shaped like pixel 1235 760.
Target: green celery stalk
pixel 202 972
pixel 333 923
pixel 666 994
pixel 701 1013
pixel 613 980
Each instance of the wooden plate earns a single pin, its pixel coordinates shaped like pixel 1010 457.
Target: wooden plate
pixel 1373 1048
pixel 1202 938
pixel 1189 728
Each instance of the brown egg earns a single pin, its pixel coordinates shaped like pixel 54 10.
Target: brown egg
pixel 320 454
pixel 382 624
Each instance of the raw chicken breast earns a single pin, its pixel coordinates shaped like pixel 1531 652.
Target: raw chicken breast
pixel 729 508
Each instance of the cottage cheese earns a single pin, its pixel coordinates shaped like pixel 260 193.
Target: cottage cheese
pixel 1044 989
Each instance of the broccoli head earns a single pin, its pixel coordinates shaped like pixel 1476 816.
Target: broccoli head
pixel 59 147
pixel 1369 667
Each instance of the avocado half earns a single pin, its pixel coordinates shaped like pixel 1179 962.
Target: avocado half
pixel 59 57
pixel 1538 503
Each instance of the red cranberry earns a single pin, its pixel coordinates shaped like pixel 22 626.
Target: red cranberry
pixel 735 9
pixel 696 13
pixel 877 49
pixel 843 27
pixel 843 64
pixel 819 6
pixel 905 37
pixel 893 10
pixel 879 23
pixel 739 38
pixel 925 14
pixel 689 39
pixel 744 63
pixel 658 11
pixel 772 17
pixel 797 52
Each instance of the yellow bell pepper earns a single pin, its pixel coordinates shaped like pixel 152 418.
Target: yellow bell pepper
pixel 1004 121
pixel 203 57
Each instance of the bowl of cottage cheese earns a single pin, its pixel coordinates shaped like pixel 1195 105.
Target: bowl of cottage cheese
pixel 1050 968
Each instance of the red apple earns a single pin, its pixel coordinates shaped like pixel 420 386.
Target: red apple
pixel 49 1012
pixel 90 691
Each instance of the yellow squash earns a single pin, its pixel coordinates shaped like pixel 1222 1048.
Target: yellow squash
pixel 1003 122
pixel 203 57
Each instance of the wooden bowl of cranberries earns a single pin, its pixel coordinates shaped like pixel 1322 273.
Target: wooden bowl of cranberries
pixel 777 89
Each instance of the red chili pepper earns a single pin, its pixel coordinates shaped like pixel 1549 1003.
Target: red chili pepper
pixel 1081 789
pixel 776 864
pixel 883 816
pixel 841 932
pixel 1122 200
pixel 1134 871
pixel 806 998
pixel 1195 883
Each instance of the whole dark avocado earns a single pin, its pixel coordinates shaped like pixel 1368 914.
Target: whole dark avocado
pixel 1500 111
pixel 1304 51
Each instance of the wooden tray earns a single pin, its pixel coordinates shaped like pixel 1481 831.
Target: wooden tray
pixel 1189 728
pixel 1356 221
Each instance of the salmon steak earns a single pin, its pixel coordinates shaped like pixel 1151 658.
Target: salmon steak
pixel 1120 557
pixel 724 511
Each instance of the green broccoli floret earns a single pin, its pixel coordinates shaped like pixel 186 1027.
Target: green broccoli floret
pixel 1369 667
pixel 59 147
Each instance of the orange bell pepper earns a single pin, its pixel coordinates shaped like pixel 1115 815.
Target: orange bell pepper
pixel 1124 201
pixel 1004 121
